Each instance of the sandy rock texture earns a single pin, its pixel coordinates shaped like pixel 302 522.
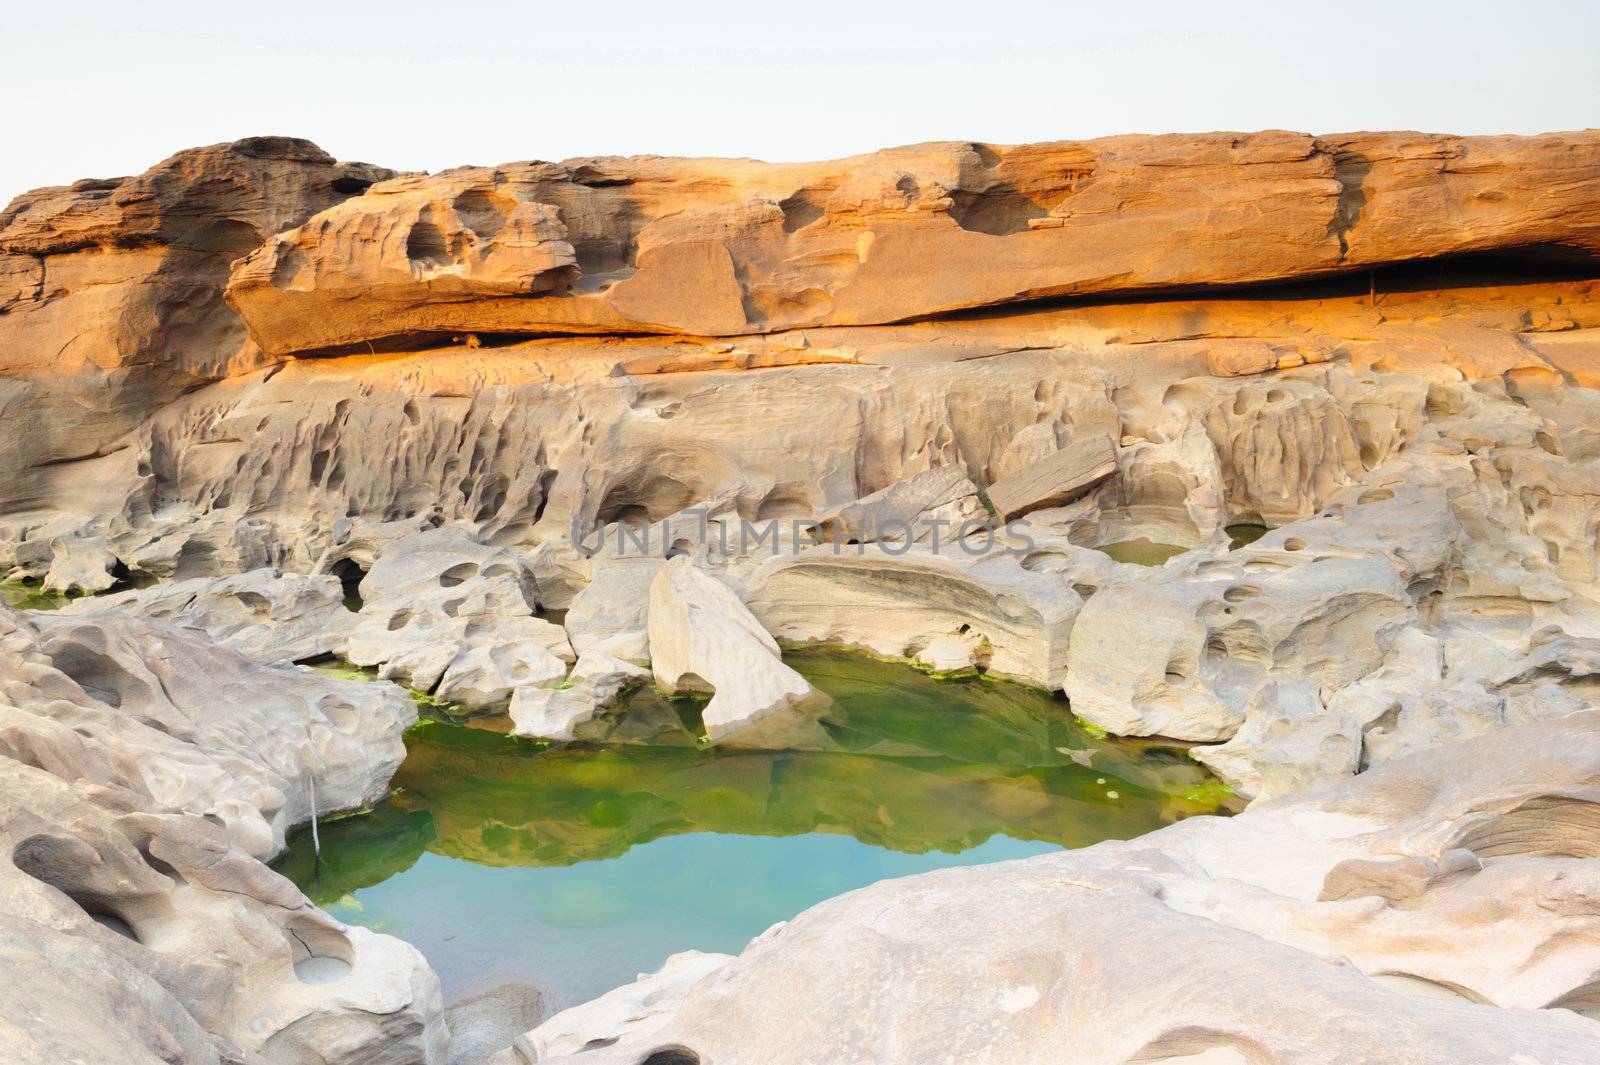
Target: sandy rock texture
pixel 263 614
pixel 1394 912
pixel 111 290
pixel 729 247
pixel 199 728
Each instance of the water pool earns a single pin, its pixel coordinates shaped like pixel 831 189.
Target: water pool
pixel 578 867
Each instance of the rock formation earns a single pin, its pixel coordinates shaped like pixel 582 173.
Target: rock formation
pixel 143 772
pixel 522 437
pixel 733 247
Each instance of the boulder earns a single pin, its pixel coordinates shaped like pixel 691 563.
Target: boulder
pixel 196 728
pixel 440 610
pixel 554 713
pixel 135 934
pixel 701 636
pixel 906 510
pixel 1055 479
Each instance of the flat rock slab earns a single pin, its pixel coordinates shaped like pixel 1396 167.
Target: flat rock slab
pixel 1055 479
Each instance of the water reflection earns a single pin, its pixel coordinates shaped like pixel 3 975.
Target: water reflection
pixel 495 852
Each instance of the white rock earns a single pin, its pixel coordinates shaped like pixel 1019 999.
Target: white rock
pixel 1288 743
pixel 201 729
pixel 554 713
pixel 264 614
pixel 894 600
pixel 700 631
pixel 440 605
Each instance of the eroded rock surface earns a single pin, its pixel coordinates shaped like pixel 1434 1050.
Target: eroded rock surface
pixel 729 247
pixel 143 771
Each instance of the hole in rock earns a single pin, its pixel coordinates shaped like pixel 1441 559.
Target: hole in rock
pixel 426 244
pixel 350 186
pixel 632 515
pixel 460 573
pixel 1377 495
pixel 253 601
pixel 399 620
pixel 1294 543
pixel 673 1055
pixel 350 575
pixel 125 578
pixel 482 212
pixel 1242 534
pixel 785 501
pixel 113 923
pixel 100 677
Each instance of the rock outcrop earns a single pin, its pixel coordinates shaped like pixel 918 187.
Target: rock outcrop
pixel 701 635
pixel 444 614
pixel 111 293
pixel 731 247
pixel 263 614
pixel 143 771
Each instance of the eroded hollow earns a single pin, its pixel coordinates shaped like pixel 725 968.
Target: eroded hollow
pixel 671 1055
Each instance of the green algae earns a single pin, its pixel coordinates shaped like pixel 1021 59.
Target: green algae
pixel 32 595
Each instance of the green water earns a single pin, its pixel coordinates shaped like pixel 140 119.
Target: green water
pixel 1241 535
pixel 1142 552
pixel 31 595
pixel 579 867
pixel 1146 552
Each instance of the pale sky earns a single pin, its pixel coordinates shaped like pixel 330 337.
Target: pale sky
pixel 96 89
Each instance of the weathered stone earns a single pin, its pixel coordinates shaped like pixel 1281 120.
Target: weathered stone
pixel 898 599
pixel 730 247
pixel 555 713
pixel 264 614
pixel 1055 479
pixel 903 511
pixel 117 303
pixel 440 610
pixel 702 635
pixel 142 773
pixel 202 729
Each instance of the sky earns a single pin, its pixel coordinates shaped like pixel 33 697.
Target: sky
pixel 97 89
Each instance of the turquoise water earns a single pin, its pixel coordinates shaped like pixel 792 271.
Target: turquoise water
pixel 579 867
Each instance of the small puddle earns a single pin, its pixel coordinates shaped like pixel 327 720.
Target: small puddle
pixel 31 595
pixel 1142 552
pixel 579 867
pixel 1145 552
